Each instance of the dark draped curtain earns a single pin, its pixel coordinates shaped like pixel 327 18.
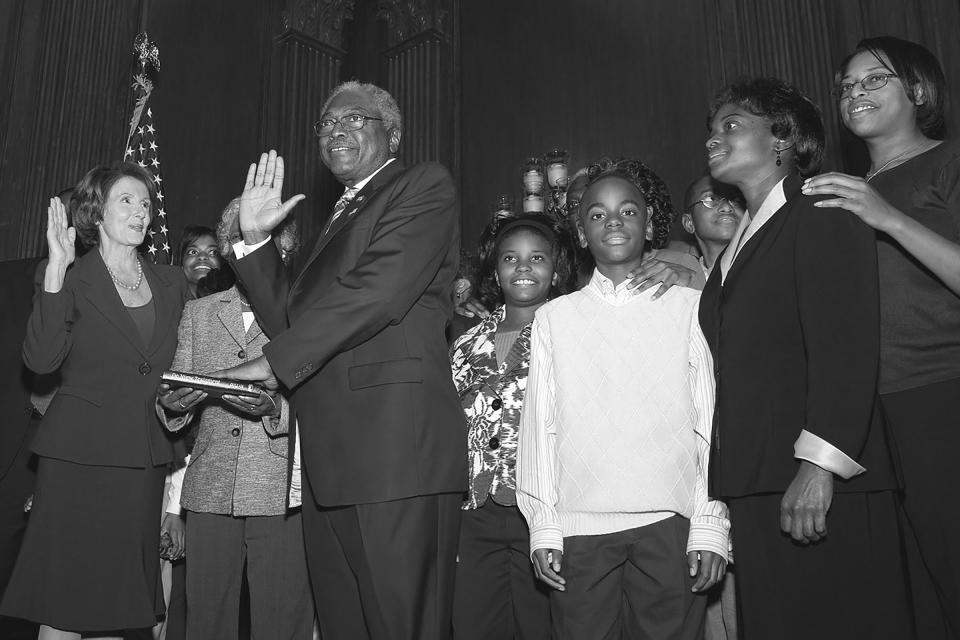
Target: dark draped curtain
pixel 608 77
pixel 65 82
pixel 498 82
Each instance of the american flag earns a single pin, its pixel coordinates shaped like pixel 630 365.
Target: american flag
pixel 142 146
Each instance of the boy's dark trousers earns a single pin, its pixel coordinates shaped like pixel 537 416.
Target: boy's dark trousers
pixel 629 584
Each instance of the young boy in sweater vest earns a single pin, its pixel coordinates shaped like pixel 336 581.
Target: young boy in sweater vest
pixel 614 437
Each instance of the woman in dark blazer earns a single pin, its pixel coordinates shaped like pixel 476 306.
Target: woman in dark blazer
pixel 89 562
pixel 791 315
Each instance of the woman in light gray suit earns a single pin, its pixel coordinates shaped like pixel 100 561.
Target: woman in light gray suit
pixel 236 484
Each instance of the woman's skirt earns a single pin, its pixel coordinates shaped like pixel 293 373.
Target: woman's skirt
pixel 90 559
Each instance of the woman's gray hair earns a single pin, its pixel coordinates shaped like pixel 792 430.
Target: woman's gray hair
pixel 386 104
pixel 287 233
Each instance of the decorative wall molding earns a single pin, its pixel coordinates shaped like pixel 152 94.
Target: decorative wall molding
pixel 322 20
pixel 408 18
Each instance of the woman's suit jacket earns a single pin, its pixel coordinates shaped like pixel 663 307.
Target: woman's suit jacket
pixel 238 465
pixel 794 331
pixel 103 413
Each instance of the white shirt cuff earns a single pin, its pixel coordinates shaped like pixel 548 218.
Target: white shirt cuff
pixel 240 249
pixel 295 494
pixel 546 537
pixel 813 448
pixel 710 533
pixel 176 485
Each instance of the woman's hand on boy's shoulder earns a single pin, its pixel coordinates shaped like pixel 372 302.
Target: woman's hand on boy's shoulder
pixel 707 568
pixel 654 271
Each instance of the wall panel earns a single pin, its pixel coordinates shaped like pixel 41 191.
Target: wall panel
pixel 418 74
pixel 67 68
pixel 597 78
pixel 636 78
pixel 302 72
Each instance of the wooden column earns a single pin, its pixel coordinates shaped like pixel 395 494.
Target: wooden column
pixel 66 77
pixel 303 71
pixel 420 68
pixel 418 74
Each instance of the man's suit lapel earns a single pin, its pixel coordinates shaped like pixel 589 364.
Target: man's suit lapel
pixel 97 287
pixel 353 210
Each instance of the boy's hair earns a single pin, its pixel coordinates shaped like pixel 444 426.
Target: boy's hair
pixel 916 67
pixel 728 191
pixel 502 228
pixel 656 195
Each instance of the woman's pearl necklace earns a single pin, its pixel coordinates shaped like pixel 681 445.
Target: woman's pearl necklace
pixel 120 283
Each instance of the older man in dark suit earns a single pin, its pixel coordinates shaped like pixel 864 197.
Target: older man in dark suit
pixel 358 335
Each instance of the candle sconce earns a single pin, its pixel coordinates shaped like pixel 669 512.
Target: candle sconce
pixel 557 163
pixel 503 207
pixel 533 179
pixel 545 180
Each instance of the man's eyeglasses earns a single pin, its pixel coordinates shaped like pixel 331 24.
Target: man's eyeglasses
pixel 712 202
pixel 350 122
pixel 872 82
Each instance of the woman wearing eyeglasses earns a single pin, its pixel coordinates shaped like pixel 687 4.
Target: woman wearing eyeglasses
pixel 891 95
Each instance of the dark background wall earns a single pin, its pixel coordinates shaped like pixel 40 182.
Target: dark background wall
pixel 482 86
pixel 608 77
pixel 208 101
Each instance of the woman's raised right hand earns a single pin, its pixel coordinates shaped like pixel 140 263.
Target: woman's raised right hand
pixel 261 208
pixel 60 237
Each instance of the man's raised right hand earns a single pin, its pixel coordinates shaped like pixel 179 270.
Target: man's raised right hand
pixel 261 208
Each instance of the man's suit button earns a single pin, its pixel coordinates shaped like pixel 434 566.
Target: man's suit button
pixel 241 354
pixel 235 432
pixel 144 368
pixel 494 442
pixel 496 404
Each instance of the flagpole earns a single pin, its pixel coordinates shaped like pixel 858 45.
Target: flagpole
pixel 144 10
pixel 141 146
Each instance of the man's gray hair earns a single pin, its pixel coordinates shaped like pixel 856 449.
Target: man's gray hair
pixel 386 104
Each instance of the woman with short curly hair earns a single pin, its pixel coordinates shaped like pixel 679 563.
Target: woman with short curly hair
pixel 791 317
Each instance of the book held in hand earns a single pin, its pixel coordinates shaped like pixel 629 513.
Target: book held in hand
pixel 213 386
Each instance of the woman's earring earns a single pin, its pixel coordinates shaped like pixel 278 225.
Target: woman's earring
pixel 778 158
